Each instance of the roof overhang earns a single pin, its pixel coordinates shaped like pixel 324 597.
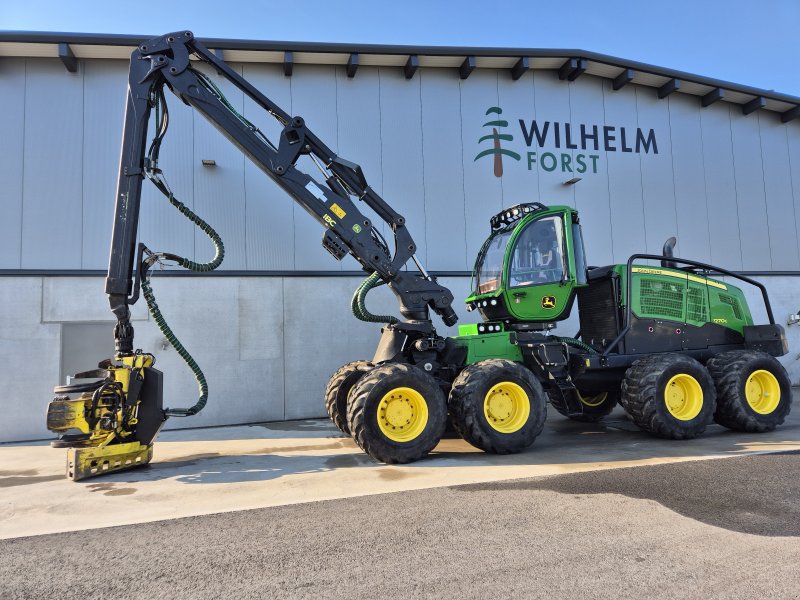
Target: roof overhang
pixel 568 63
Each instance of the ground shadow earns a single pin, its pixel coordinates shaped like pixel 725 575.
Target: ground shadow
pixel 755 494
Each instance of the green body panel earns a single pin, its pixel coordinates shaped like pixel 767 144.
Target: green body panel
pixel 486 345
pixel 535 302
pixel 675 295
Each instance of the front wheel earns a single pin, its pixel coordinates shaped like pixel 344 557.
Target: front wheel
pixel 338 390
pixel 397 413
pixel 498 406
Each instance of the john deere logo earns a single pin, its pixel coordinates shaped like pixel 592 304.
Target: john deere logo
pixel 548 301
pixel 497 150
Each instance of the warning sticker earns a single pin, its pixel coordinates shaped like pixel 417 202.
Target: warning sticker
pixel 337 210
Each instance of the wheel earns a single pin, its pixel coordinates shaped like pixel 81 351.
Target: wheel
pixel 397 413
pixel 595 405
pixel 338 389
pixel 498 406
pixel 669 395
pixel 754 393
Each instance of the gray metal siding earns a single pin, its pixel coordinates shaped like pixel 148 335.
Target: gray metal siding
pixel 658 190
pixel 53 167
pixel 269 218
pixel 12 130
pixel 359 134
pixel 401 149
pixel 443 168
pixel 725 183
pixel 624 178
pixel 219 190
pixel 483 192
pixel 592 192
pixel 753 220
pixel 777 181
pixel 688 169
pixel 103 111
pixel 518 100
pixel 720 179
pixel 314 99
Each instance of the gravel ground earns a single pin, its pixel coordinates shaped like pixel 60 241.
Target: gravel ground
pixel 710 529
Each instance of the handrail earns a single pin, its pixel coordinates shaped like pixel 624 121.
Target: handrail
pixel 694 263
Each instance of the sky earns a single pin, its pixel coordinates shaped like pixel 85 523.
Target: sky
pixel 741 41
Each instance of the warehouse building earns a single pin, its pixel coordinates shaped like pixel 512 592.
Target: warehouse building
pixel 448 136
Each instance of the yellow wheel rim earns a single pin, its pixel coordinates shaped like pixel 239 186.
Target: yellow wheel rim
pixel 593 401
pixel 683 397
pixel 507 407
pixel 763 392
pixel 402 414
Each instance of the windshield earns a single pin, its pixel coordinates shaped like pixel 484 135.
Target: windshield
pixel 538 254
pixel 491 266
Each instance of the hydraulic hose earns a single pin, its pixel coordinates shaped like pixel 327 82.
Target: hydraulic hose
pixel 154 174
pixel 359 306
pixel 576 343
pixel 152 305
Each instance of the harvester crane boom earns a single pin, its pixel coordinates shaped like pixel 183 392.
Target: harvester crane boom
pixel 165 61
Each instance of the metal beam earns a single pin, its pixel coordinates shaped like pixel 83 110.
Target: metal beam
pixel 672 86
pixel 467 67
pixel 623 79
pixel 572 69
pixel 790 114
pixel 352 65
pixel 67 57
pixel 755 104
pixel 288 63
pixel 519 69
pixel 412 64
pixel 714 95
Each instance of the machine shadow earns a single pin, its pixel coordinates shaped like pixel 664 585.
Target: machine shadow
pixel 564 444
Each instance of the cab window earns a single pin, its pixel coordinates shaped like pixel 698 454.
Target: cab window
pixel 538 255
pixel 491 267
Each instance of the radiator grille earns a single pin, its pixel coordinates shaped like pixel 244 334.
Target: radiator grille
pixel 661 299
pixel 696 305
pixel 733 303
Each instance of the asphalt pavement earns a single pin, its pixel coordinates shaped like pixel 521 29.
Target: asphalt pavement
pixel 698 529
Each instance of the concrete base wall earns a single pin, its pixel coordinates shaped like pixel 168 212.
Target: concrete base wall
pixel 266 344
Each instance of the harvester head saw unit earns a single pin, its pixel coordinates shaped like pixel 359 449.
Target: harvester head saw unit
pixel 108 421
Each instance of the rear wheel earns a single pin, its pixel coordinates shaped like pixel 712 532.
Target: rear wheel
pixel 397 413
pixel 669 395
pixel 753 391
pixel 595 405
pixel 498 406
pixel 338 389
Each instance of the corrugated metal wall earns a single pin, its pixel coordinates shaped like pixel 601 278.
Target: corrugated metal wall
pixel 728 185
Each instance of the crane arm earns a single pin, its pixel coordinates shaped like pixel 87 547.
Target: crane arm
pixel 165 62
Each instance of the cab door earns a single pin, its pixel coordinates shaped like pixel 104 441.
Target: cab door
pixel 538 282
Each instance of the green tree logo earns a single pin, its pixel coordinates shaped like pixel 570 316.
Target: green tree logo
pixel 497 150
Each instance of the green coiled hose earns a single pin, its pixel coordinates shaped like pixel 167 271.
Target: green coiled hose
pixel 152 306
pixel 359 306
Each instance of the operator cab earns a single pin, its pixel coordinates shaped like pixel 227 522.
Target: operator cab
pixel 529 266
